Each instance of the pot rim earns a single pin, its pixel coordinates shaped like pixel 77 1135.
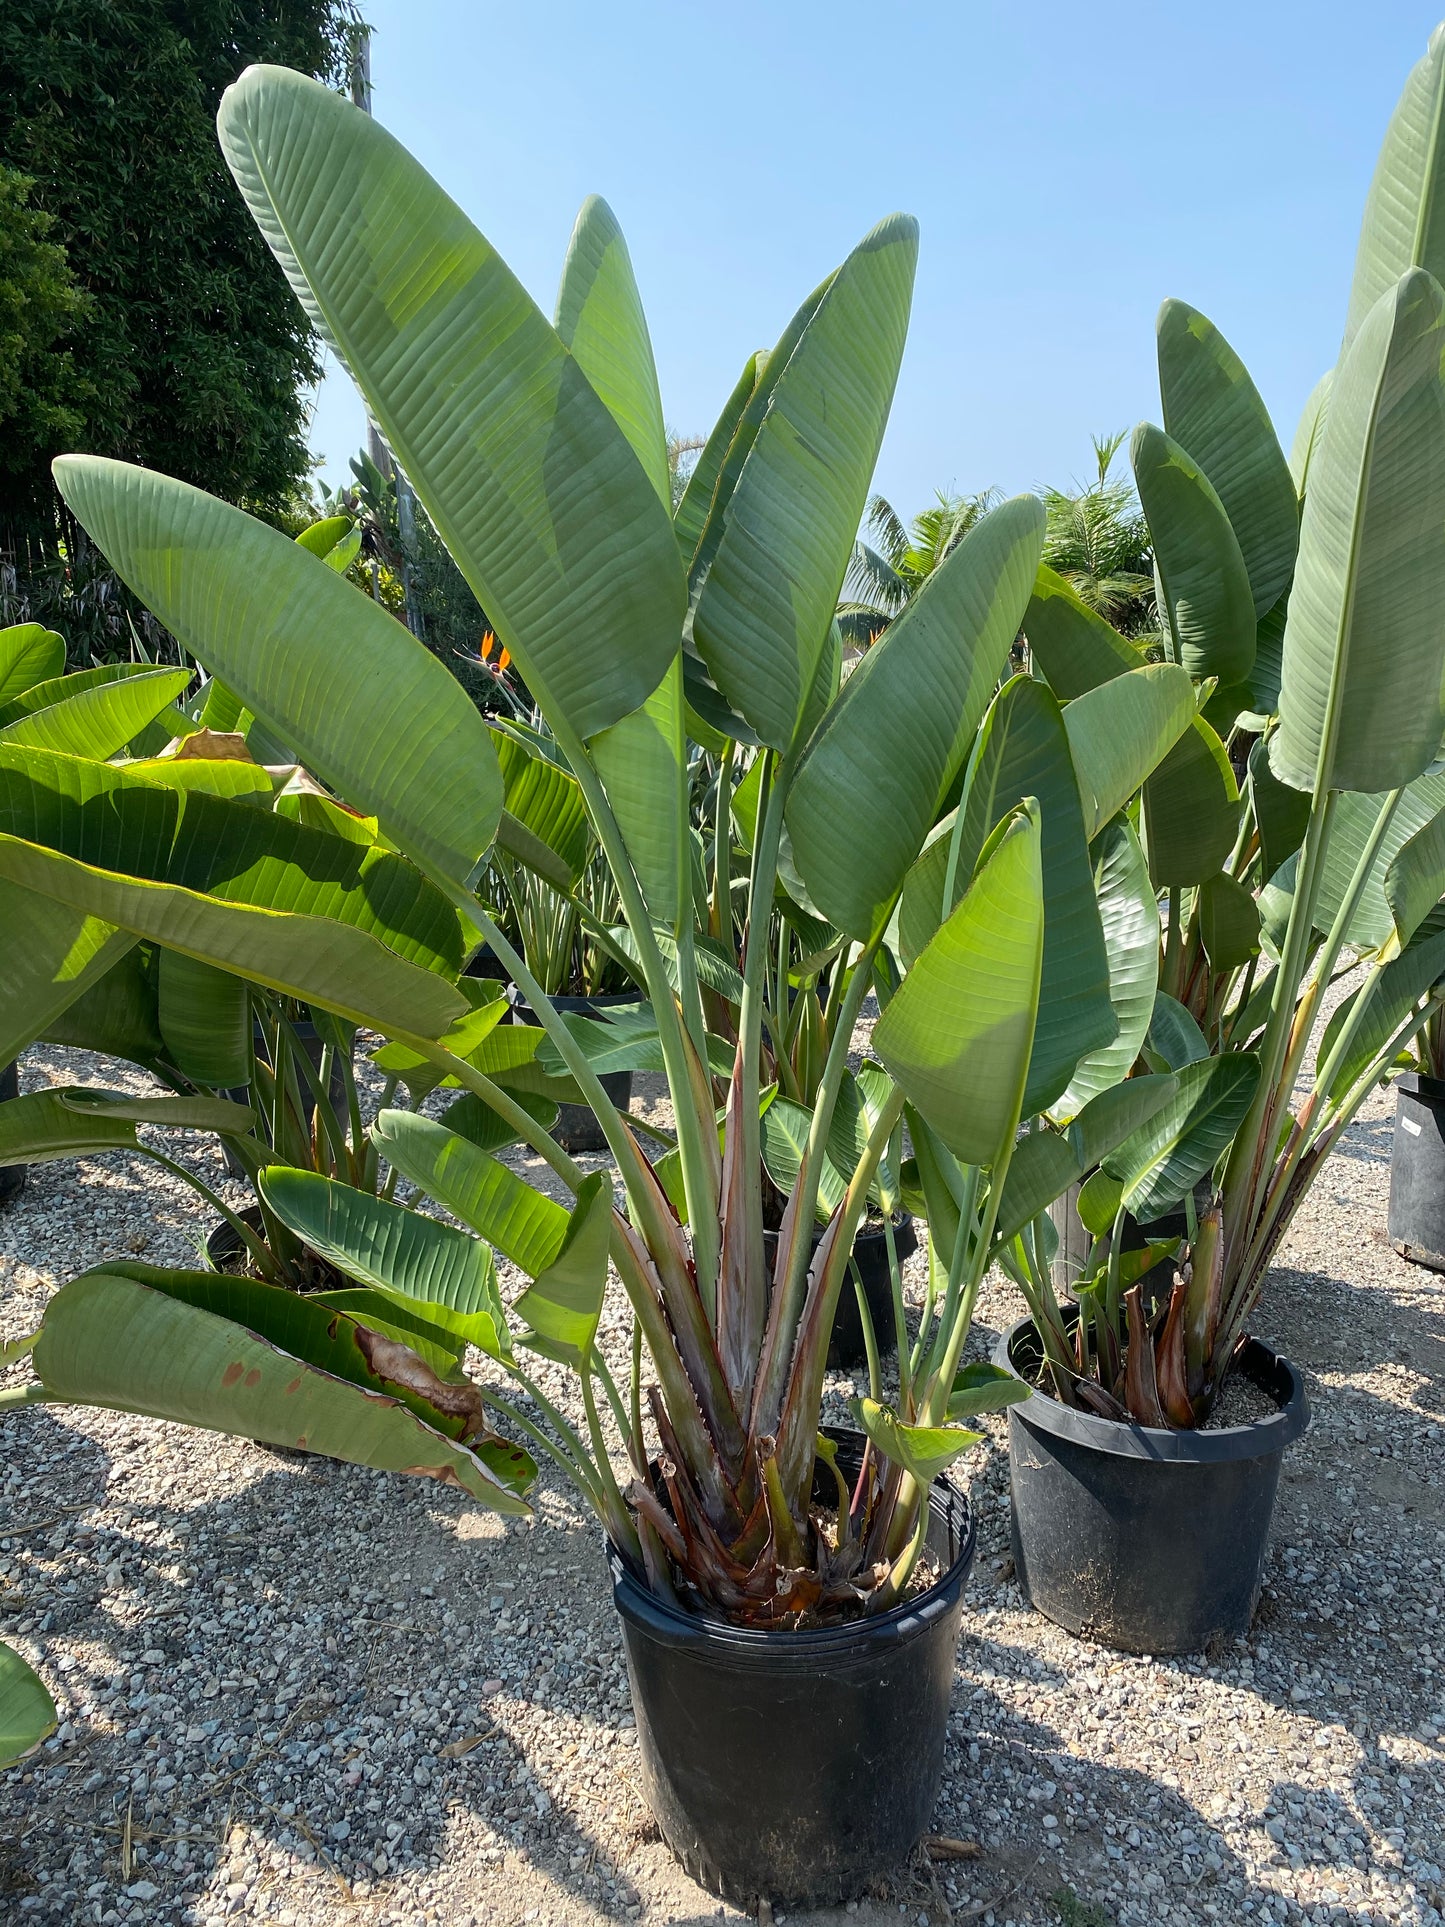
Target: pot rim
pixel 1260 1438
pixel 803 1650
pixel 903 1222
pixel 1422 1087
pixel 577 1006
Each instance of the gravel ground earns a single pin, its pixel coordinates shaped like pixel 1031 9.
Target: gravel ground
pixel 300 1692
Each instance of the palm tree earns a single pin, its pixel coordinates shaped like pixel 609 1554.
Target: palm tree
pixel 1098 541
pixel 886 572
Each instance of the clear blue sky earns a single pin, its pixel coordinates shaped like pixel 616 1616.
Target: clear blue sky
pixel 1070 167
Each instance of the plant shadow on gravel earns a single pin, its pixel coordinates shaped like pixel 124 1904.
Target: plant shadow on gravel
pixel 377 1606
pixel 309 1657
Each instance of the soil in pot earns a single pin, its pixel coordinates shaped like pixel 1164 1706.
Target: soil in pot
pixel 1416 1217
pixel 846 1350
pixel 1146 1540
pixel 797 1765
pixel 12 1176
pixel 576 1128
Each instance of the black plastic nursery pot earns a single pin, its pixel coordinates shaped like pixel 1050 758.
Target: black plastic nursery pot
pixel 486 963
pixel 1416 1217
pixel 223 1240
pixel 576 1128
pixel 846 1349
pixel 1147 1540
pixel 12 1176
pixel 797 1765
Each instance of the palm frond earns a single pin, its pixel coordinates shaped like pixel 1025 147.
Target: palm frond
pixel 871 578
pixel 886 524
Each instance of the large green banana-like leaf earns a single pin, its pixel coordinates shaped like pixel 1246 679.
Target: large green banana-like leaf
pixel 473 1118
pixel 1281 814
pixel 643 765
pixel 56 689
pixel 1351 827
pixel 1404 225
pixel 1074 647
pixel 562 1307
pixel 64 953
pixel 1120 731
pixel 530 482
pixel 1183 1140
pixel 313 958
pixel 1228 922
pixel 697 498
pixel 74 1121
pixel 133 1339
pixel 784 1130
pixel 98 722
pixel 1388 1001
pixel 1191 810
pixel 117 1015
pixel 102 815
pixel 922 1450
pixel 246 782
pixel 1362 703
pixel 761 616
pixel 873 777
pixel 29 653
pixel 641 758
pixel 205 1019
pixel 1310 431
pixel 1213 409
pixel 1023 750
pixel 322 537
pixel 958 1034
pixel 500 1050
pixel 402 1254
pixel 27 1712
pixel 1209 605
pixel 600 319
pixel 441 1349
pixel 367 708
pixel 1415 877
pixel 547 800
pixel 728 448
pixel 1129 914
pixel 1046 1162
pixel 1174 1035
pixel 486 1008
pixel 522 1222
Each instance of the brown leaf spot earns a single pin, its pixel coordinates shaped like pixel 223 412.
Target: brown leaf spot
pixel 212 746
pixel 443 1474
pixel 397 1364
pixel 232 1373
pixel 294 1386
pixel 253 1378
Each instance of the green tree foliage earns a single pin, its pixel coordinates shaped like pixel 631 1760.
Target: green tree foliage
pixel 887 571
pixel 42 399
pixel 1098 541
pixel 194 354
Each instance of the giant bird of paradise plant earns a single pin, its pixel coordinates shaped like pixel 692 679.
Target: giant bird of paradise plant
pixel 912 790
pixel 1296 831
